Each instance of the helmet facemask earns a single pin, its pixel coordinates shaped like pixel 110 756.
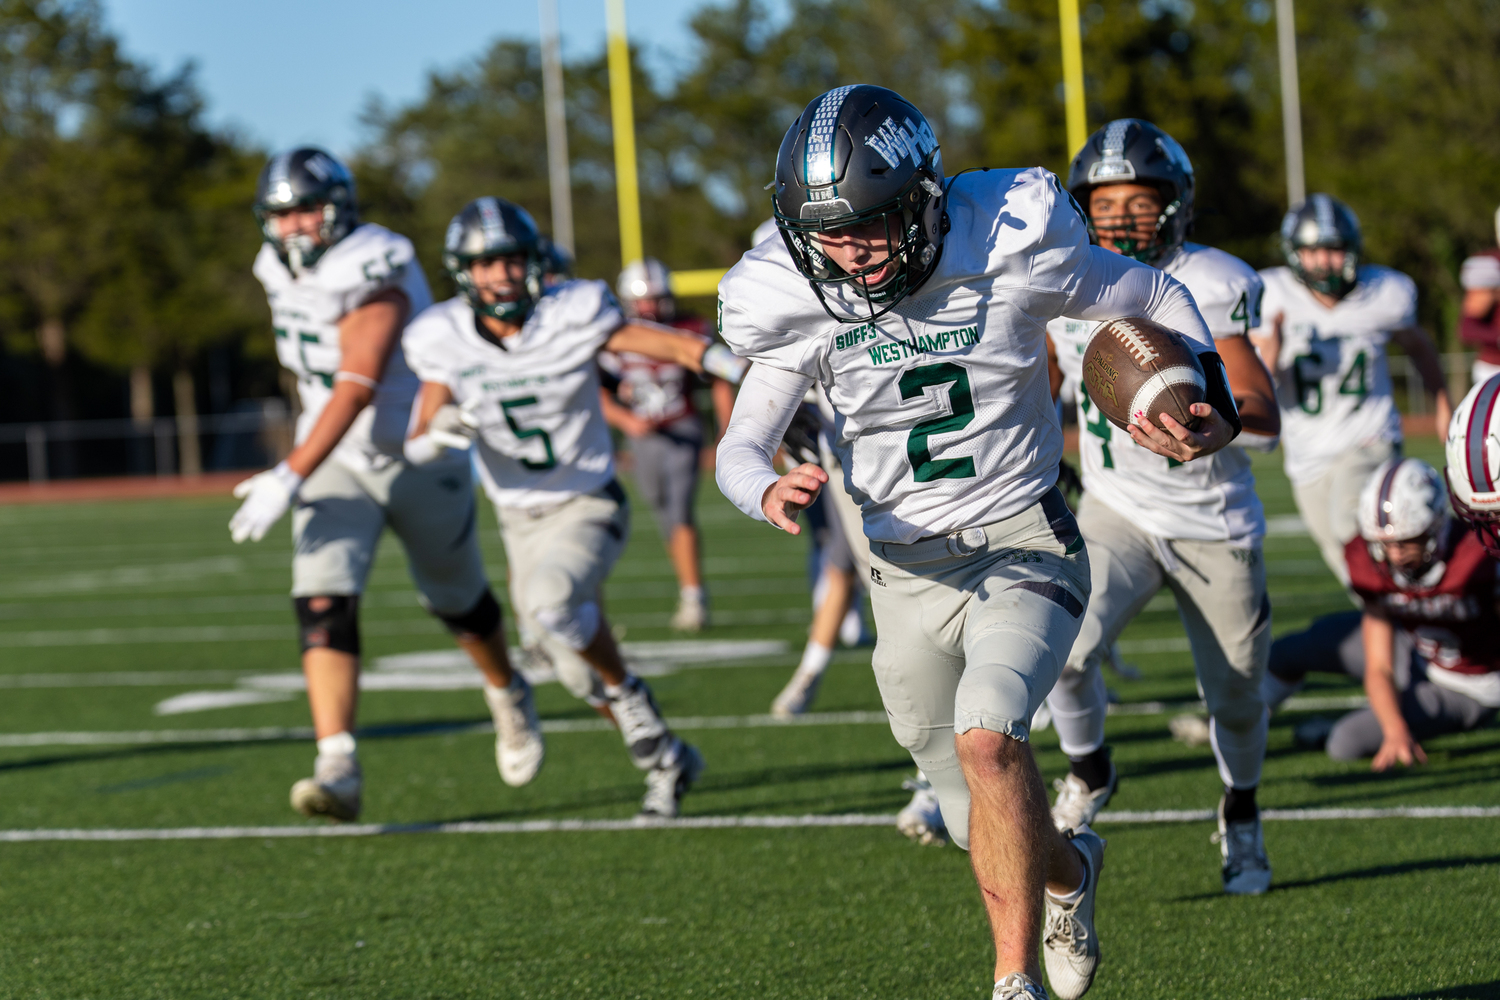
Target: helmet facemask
pixel 513 310
pixel 1164 237
pixel 909 222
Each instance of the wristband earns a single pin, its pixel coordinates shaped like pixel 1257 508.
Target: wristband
pixel 288 478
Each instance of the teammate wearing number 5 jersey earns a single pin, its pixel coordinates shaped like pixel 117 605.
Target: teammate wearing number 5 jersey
pixel 920 305
pixel 1325 322
pixel 517 365
pixel 1152 522
pixel 340 293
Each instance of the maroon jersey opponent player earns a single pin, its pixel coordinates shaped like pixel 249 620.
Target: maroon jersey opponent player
pixel 1427 644
pixel 651 403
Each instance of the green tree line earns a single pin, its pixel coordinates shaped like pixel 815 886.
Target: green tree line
pixel 126 236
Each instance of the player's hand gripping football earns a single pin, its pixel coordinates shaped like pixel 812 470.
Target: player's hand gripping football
pixel 792 494
pixel 1175 441
pixel 267 495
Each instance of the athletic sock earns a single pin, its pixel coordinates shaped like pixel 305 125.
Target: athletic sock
pixel 1068 899
pixel 613 691
pixel 1093 769
pixel 338 743
pixel 814 659
pixel 690 594
pixel 1239 805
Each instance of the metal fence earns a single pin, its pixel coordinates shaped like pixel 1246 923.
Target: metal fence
pixel 256 434
pixel 259 433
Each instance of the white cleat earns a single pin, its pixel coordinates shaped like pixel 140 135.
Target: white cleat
pixel 669 781
pixel 1189 729
pixel 1070 947
pixel 1247 871
pixel 691 615
pixel 1018 986
pixel 519 747
pixel 797 697
pixel 1076 805
pixel 334 789
pixel 641 726
pixel 922 819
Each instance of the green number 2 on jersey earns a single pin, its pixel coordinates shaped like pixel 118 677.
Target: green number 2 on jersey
pixel 506 406
pixel 913 385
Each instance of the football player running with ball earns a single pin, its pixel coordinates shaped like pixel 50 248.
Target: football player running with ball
pixel 514 368
pixel 340 294
pixel 920 305
pixel 1151 521
pixel 1324 325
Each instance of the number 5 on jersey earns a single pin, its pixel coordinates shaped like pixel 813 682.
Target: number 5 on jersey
pixel 506 406
pixel 914 384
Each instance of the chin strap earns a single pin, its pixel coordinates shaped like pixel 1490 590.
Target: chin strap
pixel 1217 392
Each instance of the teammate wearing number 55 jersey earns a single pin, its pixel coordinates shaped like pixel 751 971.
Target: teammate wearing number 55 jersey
pixel 1325 322
pixel 1151 521
pixel 516 366
pixel 920 306
pixel 340 293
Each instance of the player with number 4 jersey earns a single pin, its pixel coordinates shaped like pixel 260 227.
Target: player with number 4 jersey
pixel 1153 522
pixel 340 294
pixel 920 305
pixel 1325 322
pixel 513 365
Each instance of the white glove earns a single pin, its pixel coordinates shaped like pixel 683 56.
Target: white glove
pixel 267 495
pixel 449 429
pixel 721 361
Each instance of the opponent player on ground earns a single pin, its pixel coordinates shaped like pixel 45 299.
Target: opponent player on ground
pixel 516 365
pixel 1152 521
pixel 659 418
pixel 1325 322
pixel 921 309
pixel 340 294
pixel 1427 645
pixel 1479 323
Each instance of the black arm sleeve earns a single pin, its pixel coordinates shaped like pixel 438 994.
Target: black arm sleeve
pixel 1218 393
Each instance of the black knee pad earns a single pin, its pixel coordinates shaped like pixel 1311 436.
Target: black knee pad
pixel 329 622
pixel 478 622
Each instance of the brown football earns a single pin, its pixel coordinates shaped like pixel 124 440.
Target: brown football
pixel 1135 368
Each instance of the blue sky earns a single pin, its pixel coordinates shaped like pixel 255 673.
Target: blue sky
pixel 292 71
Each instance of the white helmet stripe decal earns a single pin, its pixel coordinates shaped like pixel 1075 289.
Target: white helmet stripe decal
pixel 491 221
pixel 820 134
pixel 1476 434
pixel 1383 498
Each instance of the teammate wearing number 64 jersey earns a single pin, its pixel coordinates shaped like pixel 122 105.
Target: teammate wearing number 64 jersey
pixel 513 366
pixel 920 305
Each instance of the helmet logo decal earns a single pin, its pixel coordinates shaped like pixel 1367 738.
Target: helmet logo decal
pixel 895 142
pixel 319 166
pixel 819 158
pixel 1479 421
pixel 491 222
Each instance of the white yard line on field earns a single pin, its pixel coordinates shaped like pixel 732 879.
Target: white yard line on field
pixel 273 733
pixel 689 823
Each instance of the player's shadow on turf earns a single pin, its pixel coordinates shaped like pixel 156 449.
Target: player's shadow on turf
pixel 835 801
pixel 1473 991
pixel 1377 871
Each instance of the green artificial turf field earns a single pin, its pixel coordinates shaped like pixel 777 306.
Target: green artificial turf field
pixel 155 594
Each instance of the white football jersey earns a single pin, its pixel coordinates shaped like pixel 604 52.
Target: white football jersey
pixel 542 436
pixel 305 313
pixel 1211 499
pixel 944 419
pixel 1333 381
